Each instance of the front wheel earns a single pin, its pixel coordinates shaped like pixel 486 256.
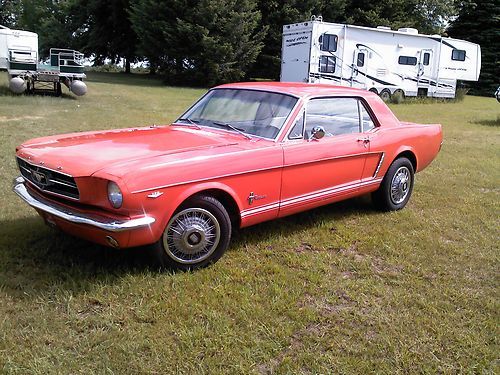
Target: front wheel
pixel 197 235
pixel 396 187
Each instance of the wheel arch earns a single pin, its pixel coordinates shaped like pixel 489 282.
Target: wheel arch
pixel 222 193
pixel 410 155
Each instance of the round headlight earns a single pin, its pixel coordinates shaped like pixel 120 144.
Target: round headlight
pixel 115 196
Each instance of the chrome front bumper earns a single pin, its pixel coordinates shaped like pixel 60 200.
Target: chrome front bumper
pixel 54 209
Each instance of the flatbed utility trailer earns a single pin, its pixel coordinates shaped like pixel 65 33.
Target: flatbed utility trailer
pixel 379 59
pixel 19 56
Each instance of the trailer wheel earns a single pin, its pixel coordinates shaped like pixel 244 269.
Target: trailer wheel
pixel 385 94
pixel 374 90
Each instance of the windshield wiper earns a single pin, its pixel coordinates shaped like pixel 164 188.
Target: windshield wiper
pixel 232 127
pixel 191 121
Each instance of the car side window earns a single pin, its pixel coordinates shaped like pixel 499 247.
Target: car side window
pixel 336 115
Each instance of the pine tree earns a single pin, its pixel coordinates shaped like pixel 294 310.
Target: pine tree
pixel 479 22
pixel 199 41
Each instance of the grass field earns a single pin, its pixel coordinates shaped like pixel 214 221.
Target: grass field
pixel 340 289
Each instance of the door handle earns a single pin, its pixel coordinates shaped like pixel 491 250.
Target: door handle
pixel 365 141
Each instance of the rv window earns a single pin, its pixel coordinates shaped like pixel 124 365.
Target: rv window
pixel 328 42
pixel 361 59
pixel 327 64
pixel 427 57
pixel 458 55
pixel 407 60
pixel 336 115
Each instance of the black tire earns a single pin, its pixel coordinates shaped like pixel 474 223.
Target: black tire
pixel 385 94
pixel 374 90
pixel 394 192
pixel 197 235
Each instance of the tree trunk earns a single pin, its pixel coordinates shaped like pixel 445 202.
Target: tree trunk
pixel 127 66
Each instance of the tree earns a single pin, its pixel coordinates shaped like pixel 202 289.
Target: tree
pixel 9 9
pixel 199 41
pixel 479 22
pixel 105 30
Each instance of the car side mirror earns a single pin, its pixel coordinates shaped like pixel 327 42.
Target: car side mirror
pixel 317 133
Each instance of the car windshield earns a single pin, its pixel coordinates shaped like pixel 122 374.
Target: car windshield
pixel 251 112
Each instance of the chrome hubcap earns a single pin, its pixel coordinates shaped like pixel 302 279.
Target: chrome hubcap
pixel 191 236
pixel 400 185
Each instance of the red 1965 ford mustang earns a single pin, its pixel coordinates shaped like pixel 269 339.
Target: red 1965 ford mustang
pixel 243 154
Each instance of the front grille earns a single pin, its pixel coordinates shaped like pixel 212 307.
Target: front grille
pixel 48 180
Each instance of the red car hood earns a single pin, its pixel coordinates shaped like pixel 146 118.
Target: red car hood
pixel 82 154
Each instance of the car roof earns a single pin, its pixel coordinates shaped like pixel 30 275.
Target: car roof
pixel 298 88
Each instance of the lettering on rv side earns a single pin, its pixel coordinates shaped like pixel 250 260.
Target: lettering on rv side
pixel 296 41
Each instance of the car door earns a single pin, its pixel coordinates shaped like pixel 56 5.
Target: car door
pixel 319 171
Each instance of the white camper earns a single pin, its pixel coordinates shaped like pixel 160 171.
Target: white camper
pixel 379 59
pixel 24 44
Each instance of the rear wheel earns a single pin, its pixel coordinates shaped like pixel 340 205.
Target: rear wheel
pixel 385 94
pixel 197 235
pixel 396 187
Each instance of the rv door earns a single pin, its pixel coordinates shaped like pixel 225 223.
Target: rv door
pixel 359 67
pixel 425 77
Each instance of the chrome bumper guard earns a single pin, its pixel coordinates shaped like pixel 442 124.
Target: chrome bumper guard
pixel 62 212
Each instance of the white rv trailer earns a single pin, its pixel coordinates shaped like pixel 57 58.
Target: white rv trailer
pixel 380 60
pixel 23 43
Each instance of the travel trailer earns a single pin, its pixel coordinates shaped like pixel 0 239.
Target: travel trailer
pixel 19 56
pixel 379 59
pixel 25 43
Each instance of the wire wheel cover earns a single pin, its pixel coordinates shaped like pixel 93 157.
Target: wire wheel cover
pixel 400 185
pixel 192 235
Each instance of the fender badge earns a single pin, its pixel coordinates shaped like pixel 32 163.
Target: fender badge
pixel 253 197
pixel 154 195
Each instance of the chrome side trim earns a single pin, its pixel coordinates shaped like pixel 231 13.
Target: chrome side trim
pixel 379 164
pixel 101 222
pixel 325 193
pixel 307 197
pixel 259 210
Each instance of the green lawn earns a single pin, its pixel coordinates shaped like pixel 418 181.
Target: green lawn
pixel 340 289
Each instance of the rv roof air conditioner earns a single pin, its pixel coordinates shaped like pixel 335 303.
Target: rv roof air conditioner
pixel 408 30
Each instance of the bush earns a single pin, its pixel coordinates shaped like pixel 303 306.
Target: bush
pixel 460 94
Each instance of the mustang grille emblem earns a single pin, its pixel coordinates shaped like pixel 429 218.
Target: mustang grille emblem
pixel 40 178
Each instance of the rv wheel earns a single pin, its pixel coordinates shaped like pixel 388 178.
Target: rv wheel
pixel 385 94
pixel 374 90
